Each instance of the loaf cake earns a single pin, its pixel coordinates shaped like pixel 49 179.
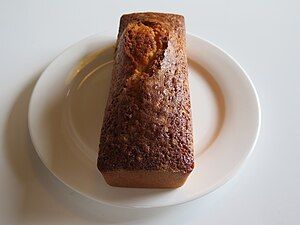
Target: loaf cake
pixel 146 138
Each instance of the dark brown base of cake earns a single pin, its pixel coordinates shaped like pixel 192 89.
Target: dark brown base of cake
pixel 144 179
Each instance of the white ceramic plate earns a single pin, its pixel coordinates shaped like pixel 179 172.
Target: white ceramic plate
pixel 67 106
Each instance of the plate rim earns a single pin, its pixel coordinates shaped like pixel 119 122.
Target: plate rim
pixel 233 172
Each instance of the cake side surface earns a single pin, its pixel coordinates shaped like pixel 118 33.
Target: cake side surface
pixel 144 179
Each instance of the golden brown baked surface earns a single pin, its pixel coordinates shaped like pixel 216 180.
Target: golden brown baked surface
pixel 145 178
pixel 147 123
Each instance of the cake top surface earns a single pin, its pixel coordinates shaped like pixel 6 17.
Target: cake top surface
pixel 147 123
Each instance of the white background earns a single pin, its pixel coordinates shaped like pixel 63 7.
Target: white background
pixel 264 36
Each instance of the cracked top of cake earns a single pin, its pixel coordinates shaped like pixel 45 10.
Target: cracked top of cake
pixel 147 123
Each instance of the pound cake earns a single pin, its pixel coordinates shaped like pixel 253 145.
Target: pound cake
pixel 146 138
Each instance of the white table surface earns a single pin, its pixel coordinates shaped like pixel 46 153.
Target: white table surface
pixel 264 36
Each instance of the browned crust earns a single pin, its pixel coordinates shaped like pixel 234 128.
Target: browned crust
pixel 147 123
pixel 144 179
